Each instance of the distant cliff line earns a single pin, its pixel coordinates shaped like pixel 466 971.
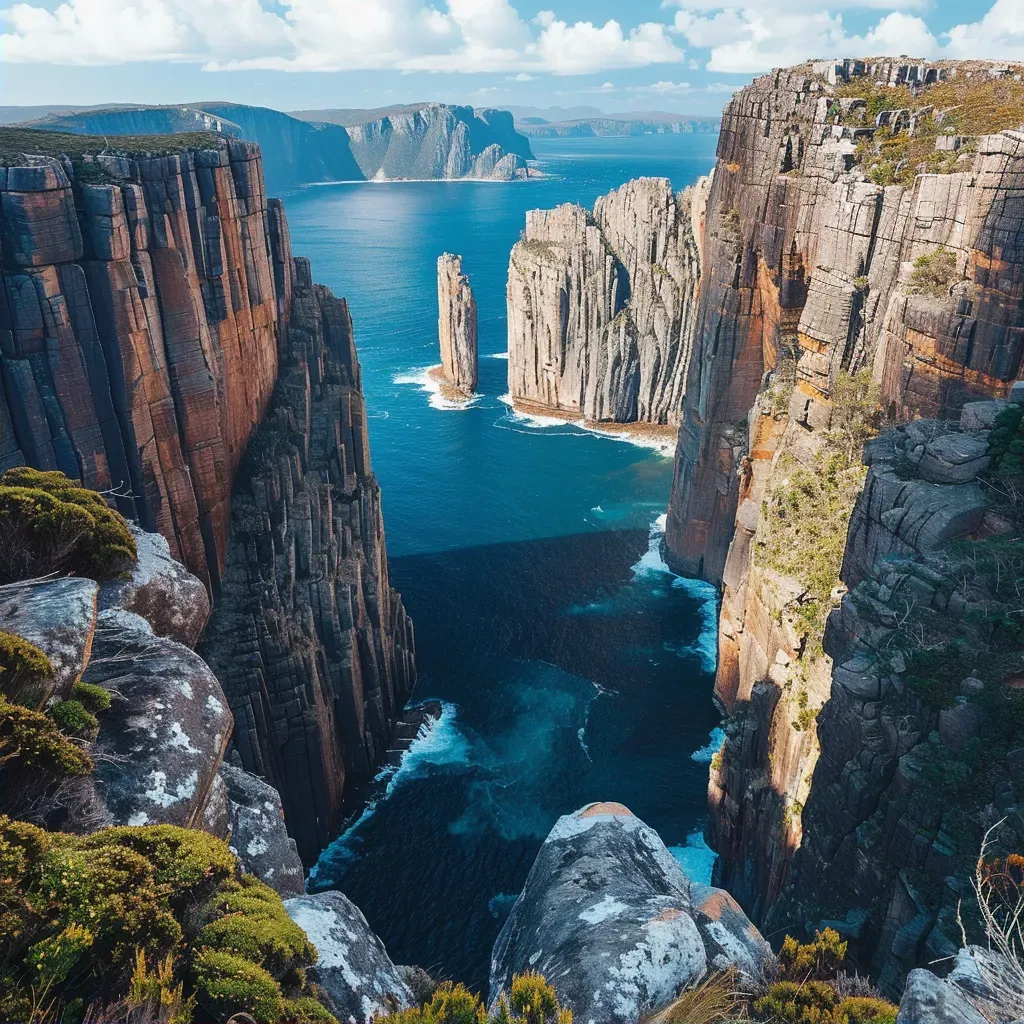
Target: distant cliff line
pixel 418 142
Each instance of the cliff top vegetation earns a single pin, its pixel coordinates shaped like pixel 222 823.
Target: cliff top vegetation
pixel 16 143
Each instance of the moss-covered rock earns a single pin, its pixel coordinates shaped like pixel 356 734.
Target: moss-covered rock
pixel 49 523
pixel 86 914
pixel 23 666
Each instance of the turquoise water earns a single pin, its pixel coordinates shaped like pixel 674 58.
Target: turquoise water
pixel 572 666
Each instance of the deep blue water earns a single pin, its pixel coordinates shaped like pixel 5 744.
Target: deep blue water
pixel 572 666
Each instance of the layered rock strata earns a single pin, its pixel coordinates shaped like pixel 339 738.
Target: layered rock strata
pixel 818 279
pixel 139 321
pixel 312 645
pixel 608 916
pixel 456 327
pixel 601 306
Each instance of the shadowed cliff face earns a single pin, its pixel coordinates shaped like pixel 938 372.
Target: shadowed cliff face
pixel 312 645
pixel 138 329
pixel 809 285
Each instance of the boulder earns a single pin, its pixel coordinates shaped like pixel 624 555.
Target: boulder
pixel 258 835
pixel 954 459
pixel 981 415
pixel 611 920
pixel 161 590
pixel 162 740
pixel 58 616
pixel 959 725
pixel 930 1000
pixel 352 966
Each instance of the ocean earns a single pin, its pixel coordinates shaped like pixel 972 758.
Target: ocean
pixel 572 666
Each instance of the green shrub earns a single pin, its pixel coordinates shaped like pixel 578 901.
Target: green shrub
pixel 31 741
pixel 934 272
pixel 531 1001
pixel 51 524
pixel 1006 444
pixel 820 959
pixel 791 1002
pixel 92 697
pixel 73 719
pixel 230 984
pixel 24 669
pixel 307 1010
pixel 90 912
pixel 865 1010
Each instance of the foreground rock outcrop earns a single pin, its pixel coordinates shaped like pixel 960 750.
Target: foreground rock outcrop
pixel 840 278
pixel 312 645
pixel 610 919
pixel 601 307
pixel 352 966
pixel 456 327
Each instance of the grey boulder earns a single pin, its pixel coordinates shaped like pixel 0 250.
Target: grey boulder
pixel 352 965
pixel 161 590
pixel 258 836
pixel 610 919
pixel 954 459
pixel 163 738
pixel 930 1000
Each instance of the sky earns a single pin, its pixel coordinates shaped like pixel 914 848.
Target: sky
pixel 686 56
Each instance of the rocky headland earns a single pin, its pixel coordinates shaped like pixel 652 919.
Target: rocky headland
pixel 601 306
pixel 424 141
pixel 456 330
pixel 861 269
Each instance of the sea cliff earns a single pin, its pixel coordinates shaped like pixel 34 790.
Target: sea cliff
pixel 861 266
pixel 601 305
pixel 159 342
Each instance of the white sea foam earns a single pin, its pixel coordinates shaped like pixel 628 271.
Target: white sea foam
pixel 497 355
pixel 716 741
pixel 651 562
pixel 426 383
pixel 696 858
pixel 662 445
pixel 439 742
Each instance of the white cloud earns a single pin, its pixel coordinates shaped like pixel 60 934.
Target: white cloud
pixel 751 36
pixel 664 88
pixel 999 35
pixel 326 35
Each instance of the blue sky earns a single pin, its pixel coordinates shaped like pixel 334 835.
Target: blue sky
pixel 680 55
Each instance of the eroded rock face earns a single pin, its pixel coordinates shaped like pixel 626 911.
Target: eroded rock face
pixel 352 966
pixel 610 919
pixel 456 325
pixel 801 251
pixel 258 837
pixel 312 645
pixel 601 306
pixel 138 329
pixel 173 601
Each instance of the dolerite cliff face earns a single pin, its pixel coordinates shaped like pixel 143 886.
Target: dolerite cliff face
pixel 149 304
pixel 139 325
pixel 456 326
pixel 812 309
pixel 601 306
pixel 313 646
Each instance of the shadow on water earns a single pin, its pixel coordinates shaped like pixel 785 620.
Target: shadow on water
pixel 571 669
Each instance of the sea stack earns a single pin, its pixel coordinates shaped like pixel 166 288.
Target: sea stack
pixel 601 307
pixel 456 329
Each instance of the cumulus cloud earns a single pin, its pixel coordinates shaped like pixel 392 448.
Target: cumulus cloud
pixel 751 36
pixel 327 35
pixel 664 88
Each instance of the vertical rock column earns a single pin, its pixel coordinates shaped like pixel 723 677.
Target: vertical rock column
pixel 456 327
pixel 312 645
